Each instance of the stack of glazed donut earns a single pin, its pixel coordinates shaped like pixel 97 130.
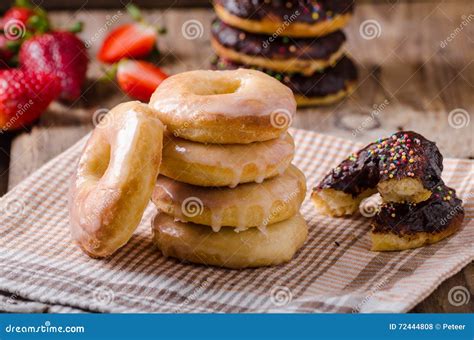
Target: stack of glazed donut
pixel 298 42
pixel 227 193
pixel 405 169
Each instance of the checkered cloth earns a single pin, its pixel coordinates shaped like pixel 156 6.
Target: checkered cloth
pixel 333 272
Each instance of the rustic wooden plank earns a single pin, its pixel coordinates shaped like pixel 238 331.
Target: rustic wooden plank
pixel 405 65
pixel 5 143
pixel 149 4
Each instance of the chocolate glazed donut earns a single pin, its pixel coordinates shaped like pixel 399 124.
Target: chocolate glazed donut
pixel 278 53
pixel 402 226
pixel 404 167
pixel 298 18
pixel 373 164
pixel 317 89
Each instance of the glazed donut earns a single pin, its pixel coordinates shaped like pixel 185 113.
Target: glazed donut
pixel 400 226
pixel 303 55
pixel 224 107
pixel 321 88
pixel 114 179
pixel 228 165
pixel 247 205
pixel 293 18
pixel 404 167
pixel 251 248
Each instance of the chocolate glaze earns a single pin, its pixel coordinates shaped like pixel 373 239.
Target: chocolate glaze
pixel 277 47
pixel 307 11
pixel 405 154
pixel 319 84
pixel 432 216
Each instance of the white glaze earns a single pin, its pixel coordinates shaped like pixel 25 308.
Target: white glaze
pixel 284 190
pixel 272 154
pixel 203 92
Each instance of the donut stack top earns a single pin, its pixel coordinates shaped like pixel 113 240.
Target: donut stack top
pixel 298 42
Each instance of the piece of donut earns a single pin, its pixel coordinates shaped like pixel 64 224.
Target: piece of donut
pixel 251 248
pixel 224 107
pixel 225 165
pixel 404 167
pixel 321 88
pixel 114 179
pixel 292 18
pixel 245 206
pixel 280 54
pixel 399 226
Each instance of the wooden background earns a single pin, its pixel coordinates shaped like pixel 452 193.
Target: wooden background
pixel 404 69
pixel 149 4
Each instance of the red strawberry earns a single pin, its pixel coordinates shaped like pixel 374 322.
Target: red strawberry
pixel 60 53
pixel 134 40
pixel 24 96
pixel 6 53
pixel 139 78
pixel 21 14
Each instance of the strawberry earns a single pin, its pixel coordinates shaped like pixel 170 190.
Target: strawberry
pixel 25 18
pixel 60 53
pixel 127 41
pixel 24 96
pixel 133 40
pixel 20 14
pixel 139 78
pixel 6 52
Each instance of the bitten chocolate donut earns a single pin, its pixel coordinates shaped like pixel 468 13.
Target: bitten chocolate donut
pixel 404 167
pixel 250 248
pixel 321 88
pixel 217 165
pixel 281 54
pixel 293 18
pixel 224 107
pixel 400 226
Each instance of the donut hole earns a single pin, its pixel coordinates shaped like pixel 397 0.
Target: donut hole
pixel 97 166
pixel 217 86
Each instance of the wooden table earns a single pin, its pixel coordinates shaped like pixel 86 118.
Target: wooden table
pixel 407 80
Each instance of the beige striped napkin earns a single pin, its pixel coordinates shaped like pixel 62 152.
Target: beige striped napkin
pixel 334 271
